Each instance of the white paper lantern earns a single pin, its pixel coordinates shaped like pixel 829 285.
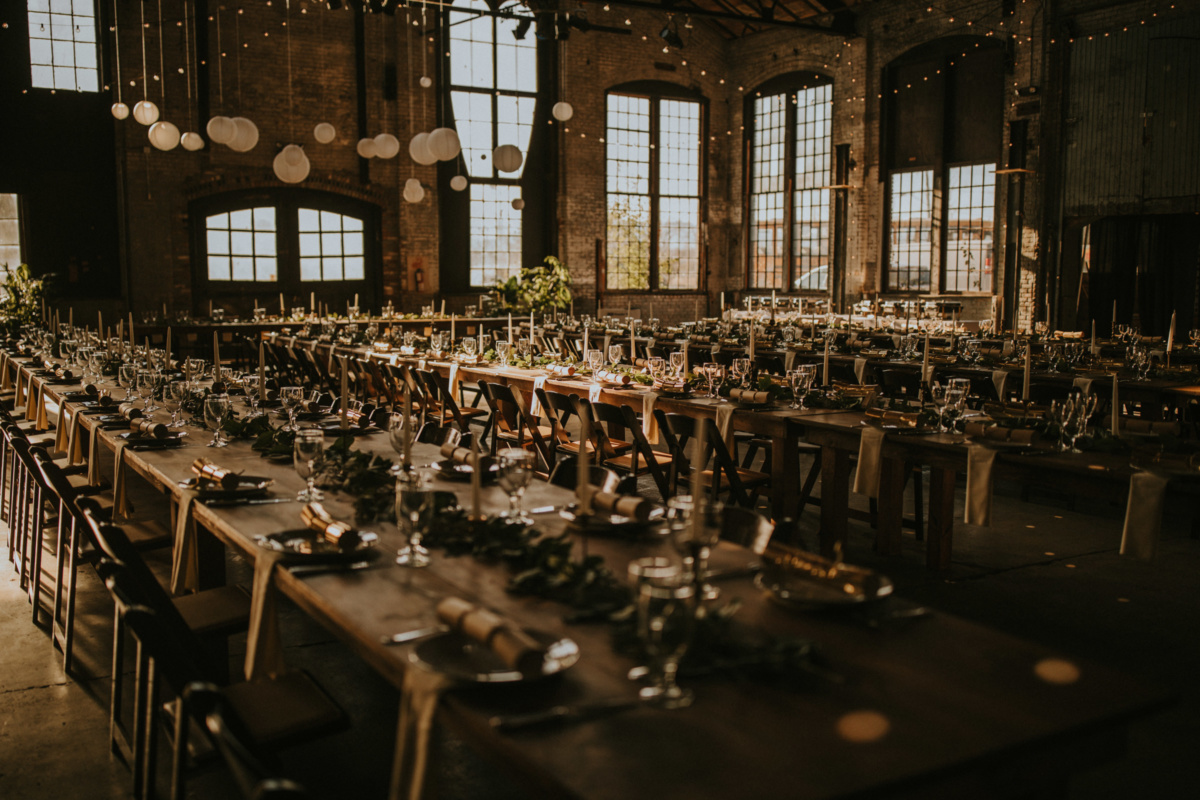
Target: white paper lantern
pixel 366 148
pixel 324 133
pixel 120 110
pixel 458 183
pixel 386 145
pixel 145 112
pixel 287 171
pixel 164 135
pixel 246 137
pixel 426 81
pixel 221 130
pixel 444 144
pixel 518 203
pixel 507 158
pixel 414 192
pixel 192 141
pixel 418 150
pixel 562 111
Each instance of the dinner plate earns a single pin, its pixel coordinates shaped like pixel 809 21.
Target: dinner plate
pixel 804 593
pixel 249 486
pixel 173 439
pixel 335 429
pixel 303 545
pixel 452 471
pixel 614 525
pixel 458 656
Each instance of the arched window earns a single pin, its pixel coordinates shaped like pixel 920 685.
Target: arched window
pixel 791 153
pixel 942 134
pixel 493 89
pixel 289 241
pixel 655 176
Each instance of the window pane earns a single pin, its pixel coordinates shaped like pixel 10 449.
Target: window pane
pixel 218 268
pixel 264 244
pixel 310 244
pixel 355 268
pixel 814 147
pixel 241 243
pixel 264 219
pixel 628 250
pixel 62 44
pixel 473 118
pixel 310 269
pixel 495 233
pixel 309 220
pixel 679 243
pixel 264 269
pixel 241 220
pixel 241 234
pixel 767 183
pixel 243 268
pixel 352 244
pixel 331 268
pixel 911 231
pixel 10 234
pixel 970 228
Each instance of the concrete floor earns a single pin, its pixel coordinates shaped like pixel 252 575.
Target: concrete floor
pixel 1043 572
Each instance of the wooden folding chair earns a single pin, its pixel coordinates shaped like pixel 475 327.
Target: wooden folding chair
pixel 512 424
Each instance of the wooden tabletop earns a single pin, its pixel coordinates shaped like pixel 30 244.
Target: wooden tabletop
pixel 957 705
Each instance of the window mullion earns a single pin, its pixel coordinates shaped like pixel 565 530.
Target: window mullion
pixel 789 184
pixel 654 162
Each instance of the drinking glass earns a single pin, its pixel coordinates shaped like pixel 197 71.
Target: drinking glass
pixel 216 410
pixel 677 362
pixel 801 379
pixel 127 378
pixel 146 382
pixel 177 392
pixel 251 387
pixel 595 360
pixel 656 365
pixel 469 346
pixel 291 396
pixel 666 619
pixel 308 450
pixel 615 353
pixel 502 350
pixel 396 432
pixel 516 471
pixel 413 499
pixel 741 371
pixel 524 348
pixel 694 542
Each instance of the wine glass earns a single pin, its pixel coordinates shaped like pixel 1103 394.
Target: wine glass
pixel 251 387
pixel 216 410
pixel 146 382
pixel 656 365
pixel 470 345
pixel 516 471
pixel 741 370
pixel 677 362
pixel 595 360
pixel 502 350
pixel 666 618
pixel 127 378
pixel 801 379
pixel 694 542
pixel 308 450
pixel 524 347
pixel 413 499
pixel 615 354
pixel 291 396
pixel 396 433
pixel 177 392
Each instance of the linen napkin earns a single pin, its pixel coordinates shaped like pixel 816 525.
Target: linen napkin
pixel 631 506
pixel 594 393
pixel 62 429
pixel 535 406
pixel 870 461
pixel 419 695
pixel 185 560
pixel 980 460
pixel 1143 514
pixel 725 423
pixel 93 460
pixel 505 639
pixel 264 647
pixel 999 378
pixel 860 369
pixel 452 381
pixel 789 360
pixel 649 423
pixel 1083 384
pixel 6 382
pixel 18 387
pixel 75 441
pixel 121 507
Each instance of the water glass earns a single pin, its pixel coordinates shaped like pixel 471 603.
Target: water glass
pixel 147 381
pixel 666 617
pixel 595 360
pixel 615 354
pixel 502 350
pixel 470 345
pixel 516 471
pixel 127 378
pixel 177 392
pixel 308 450
pixel 251 387
pixel 216 410
pixel 397 432
pixel 291 396
pixel 677 362
pixel 413 500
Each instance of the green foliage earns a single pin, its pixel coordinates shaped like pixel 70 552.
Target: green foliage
pixel 22 299
pixel 537 289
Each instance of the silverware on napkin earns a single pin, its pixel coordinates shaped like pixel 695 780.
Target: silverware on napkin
pixel 415 634
pixel 582 712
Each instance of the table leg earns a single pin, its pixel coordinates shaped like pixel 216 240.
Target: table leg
pixel 890 517
pixel 835 497
pixel 785 476
pixel 940 535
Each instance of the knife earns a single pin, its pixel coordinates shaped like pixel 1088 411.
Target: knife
pixel 413 635
pixel 560 714
pixel 263 502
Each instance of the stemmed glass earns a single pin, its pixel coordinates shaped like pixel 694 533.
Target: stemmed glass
pixel 955 400
pixel 413 498
pixel 524 347
pixel 469 346
pixel 656 365
pixel 937 393
pixel 216 410
pixel 127 379
pixel 147 380
pixel 251 387
pixel 516 471
pixel 308 450
pixel 666 616
pixel 396 433
pixel 177 392
pixel 741 370
pixel 502 350
pixel 694 542
pixel 291 396
pixel 677 362
pixel 615 354
pixel 801 379
pixel 1076 413
pixel 595 360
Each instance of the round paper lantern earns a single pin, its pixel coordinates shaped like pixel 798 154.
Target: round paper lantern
pixel 164 135
pixel 120 110
pixel 294 155
pixel 458 183
pixel 221 130
pixel 324 133
pixel 518 203
pixel 444 144
pixel 507 158
pixel 414 192
pixel 562 111
pixel 366 148
pixel 286 170
pixel 418 150
pixel 426 81
pixel 386 145
pixel 246 137
pixel 192 141
pixel 145 112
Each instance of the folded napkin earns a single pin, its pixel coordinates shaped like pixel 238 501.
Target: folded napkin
pixel 999 378
pixel 535 406
pixel 75 441
pixel 264 647
pixel 593 392
pixel 789 360
pixel 460 455
pixel 870 461
pixel 978 506
pixel 6 382
pixel 725 424
pixel 62 429
pixel 860 369
pixel 612 377
pixel 506 640
pixel 999 433
pixel 649 422
pixel 563 370
pixel 1139 425
pixel 419 695
pixel 1083 384
pixel 631 506
pixel 749 396
pixel 121 507
pixel 1143 514
pixel 41 421
pixel 185 558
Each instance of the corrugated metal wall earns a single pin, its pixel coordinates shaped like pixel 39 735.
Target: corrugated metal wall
pixel 1133 118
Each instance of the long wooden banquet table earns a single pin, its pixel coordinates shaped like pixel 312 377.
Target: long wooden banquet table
pixel 931 707
pixel 1099 476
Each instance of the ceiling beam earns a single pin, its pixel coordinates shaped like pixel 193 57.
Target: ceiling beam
pixel 842 25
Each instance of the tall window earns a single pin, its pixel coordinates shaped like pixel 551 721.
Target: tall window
pixel 790 163
pixel 241 245
pixel 970 224
pixel 493 86
pixel 10 234
pixel 331 246
pixel 912 231
pixel 654 176
pixel 62 45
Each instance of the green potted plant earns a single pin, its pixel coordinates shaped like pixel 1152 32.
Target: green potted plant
pixel 21 301
pixel 537 289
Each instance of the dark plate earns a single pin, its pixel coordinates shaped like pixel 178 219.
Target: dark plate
pixel 334 429
pixel 305 416
pixel 136 438
pixel 803 593
pixel 462 658
pixel 614 526
pixel 462 472
pixel 293 544
pixel 249 487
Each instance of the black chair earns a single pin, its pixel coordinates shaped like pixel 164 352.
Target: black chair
pixel 566 476
pixel 252 769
